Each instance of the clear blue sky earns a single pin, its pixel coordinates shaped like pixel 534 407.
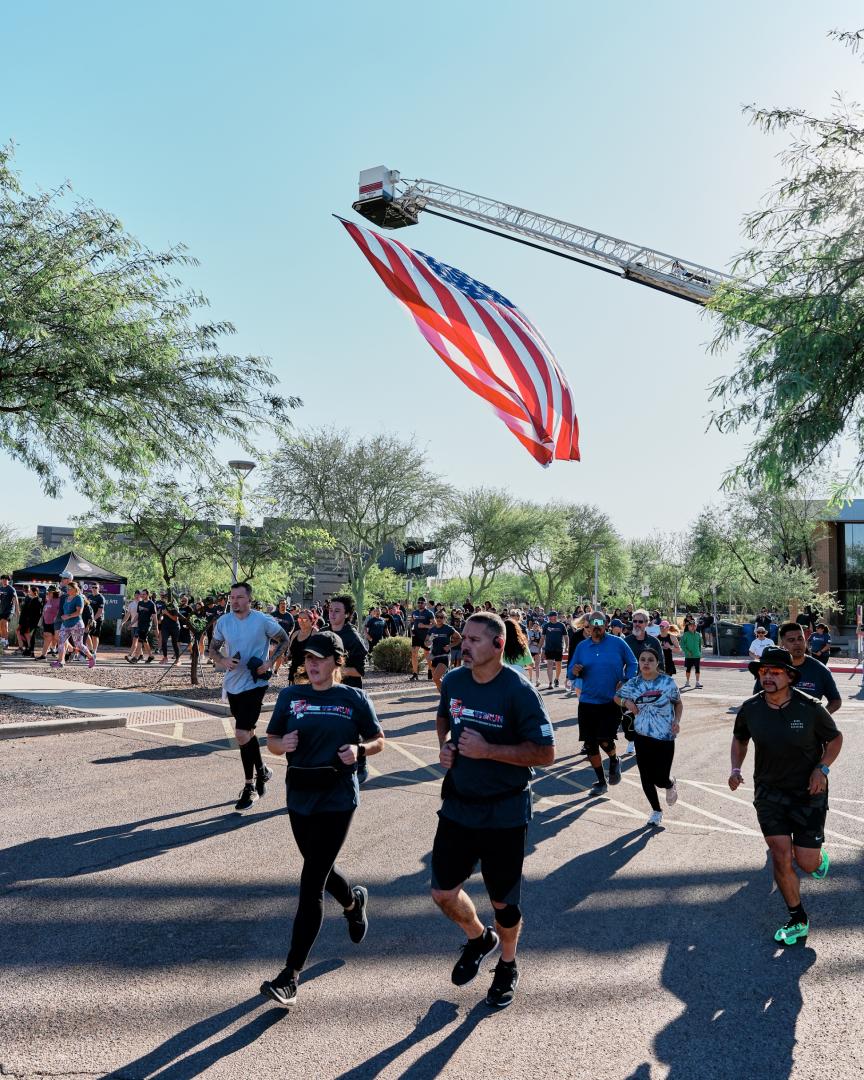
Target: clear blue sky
pixel 239 129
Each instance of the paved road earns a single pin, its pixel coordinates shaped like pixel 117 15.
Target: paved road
pixel 140 914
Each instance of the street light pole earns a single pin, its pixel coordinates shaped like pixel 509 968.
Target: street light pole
pixel 241 470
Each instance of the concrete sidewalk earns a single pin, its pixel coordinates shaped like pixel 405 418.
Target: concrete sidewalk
pixel 104 707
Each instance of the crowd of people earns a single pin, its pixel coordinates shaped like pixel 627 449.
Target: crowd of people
pixel 493 729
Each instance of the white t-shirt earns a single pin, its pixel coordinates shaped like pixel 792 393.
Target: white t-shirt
pixel 759 645
pixel 250 637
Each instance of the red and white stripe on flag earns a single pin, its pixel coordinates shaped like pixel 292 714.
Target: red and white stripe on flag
pixel 485 340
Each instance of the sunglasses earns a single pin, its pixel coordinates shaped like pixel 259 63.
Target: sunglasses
pixel 637 621
pixel 773 671
pixel 597 622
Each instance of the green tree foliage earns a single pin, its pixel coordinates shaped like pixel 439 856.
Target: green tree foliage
pixel 559 552
pixel 489 525
pixel 17 551
pixel 363 492
pixel 381 587
pixel 101 361
pixel 799 313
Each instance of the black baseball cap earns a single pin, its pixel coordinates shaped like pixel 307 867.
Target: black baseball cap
pixel 324 644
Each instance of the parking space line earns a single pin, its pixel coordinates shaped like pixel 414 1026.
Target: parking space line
pixel 699 810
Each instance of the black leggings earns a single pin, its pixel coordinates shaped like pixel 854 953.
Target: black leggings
pixel 654 762
pixel 320 838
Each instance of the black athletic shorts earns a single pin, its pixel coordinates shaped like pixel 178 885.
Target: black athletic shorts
pixel 143 632
pixel 801 817
pixel 689 663
pixel 500 852
pixel 553 654
pixel 434 661
pixel 97 626
pixel 598 723
pixel 418 641
pixel 246 707
pixel 5 614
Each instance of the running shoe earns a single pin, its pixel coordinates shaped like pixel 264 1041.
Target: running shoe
pixel 414 678
pixel 556 684
pixel 164 660
pixel 615 770
pixel 282 989
pixel 821 872
pixel 793 932
pixel 149 659
pixel 91 662
pixel 358 921
pixel 474 952
pixel 262 777
pixel 504 983
pixel 56 663
pixel 247 796
pixel 131 659
pixel 672 793
pixel 655 818
pixel 698 685
pixel 599 787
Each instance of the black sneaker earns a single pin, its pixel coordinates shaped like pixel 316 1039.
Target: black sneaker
pixel 247 796
pixel 599 787
pixel 149 659
pixel 358 923
pixel 615 770
pixel 414 678
pixel 556 684
pixel 429 674
pixel 474 952
pixel 261 778
pixel 282 989
pixel 504 983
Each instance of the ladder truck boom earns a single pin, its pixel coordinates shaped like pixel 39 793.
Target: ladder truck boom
pixel 390 202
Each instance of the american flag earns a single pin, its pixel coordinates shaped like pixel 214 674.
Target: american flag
pixel 485 340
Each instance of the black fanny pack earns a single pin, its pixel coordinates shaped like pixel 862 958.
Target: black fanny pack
pixel 318 778
pixel 450 791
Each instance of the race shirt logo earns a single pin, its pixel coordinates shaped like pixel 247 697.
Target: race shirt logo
pixel 300 707
pixel 458 711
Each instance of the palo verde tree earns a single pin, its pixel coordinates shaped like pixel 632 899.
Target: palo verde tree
pixel 799 310
pixel 100 353
pixel 490 526
pixel 363 492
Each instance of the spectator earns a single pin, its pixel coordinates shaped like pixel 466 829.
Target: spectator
pixel 819 645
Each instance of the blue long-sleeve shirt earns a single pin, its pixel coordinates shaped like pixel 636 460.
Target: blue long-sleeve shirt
pixel 605 664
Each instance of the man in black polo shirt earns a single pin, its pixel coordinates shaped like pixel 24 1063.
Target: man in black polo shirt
pixel 796 743
pixel 421 620
pixel 492 728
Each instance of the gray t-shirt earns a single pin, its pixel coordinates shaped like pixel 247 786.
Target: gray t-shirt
pixel 325 720
pixel 249 637
pixel 506 711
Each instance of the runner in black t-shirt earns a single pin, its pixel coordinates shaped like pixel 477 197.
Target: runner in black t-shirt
pixel 442 637
pixel 340 611
pixel 814 678
pixel 97 604
pixel 796 743
pixel 146 615
pixel 552 644
pixel 421 619
pixel 492 728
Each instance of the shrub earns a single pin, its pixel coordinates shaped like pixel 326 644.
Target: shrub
pixel 392 654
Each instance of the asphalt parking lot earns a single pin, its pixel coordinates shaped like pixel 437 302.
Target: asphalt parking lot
pixel 140 915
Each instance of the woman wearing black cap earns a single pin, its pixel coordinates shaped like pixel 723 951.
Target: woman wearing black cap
pixel 320 727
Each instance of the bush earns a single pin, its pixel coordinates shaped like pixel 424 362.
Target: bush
pixel 392 654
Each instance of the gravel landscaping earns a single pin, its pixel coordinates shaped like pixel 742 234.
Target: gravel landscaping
pixel 171 681
pixel 15 711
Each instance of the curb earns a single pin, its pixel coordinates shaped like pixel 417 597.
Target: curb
pixel 59 727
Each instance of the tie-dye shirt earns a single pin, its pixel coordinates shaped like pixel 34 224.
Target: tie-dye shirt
pixel 656 700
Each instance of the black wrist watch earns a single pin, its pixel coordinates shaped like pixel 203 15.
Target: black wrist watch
pixel 361 754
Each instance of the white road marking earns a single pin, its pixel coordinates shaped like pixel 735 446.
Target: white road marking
pixel 699 810
pixel 436 771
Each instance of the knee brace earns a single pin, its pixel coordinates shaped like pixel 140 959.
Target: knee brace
pixel 591 747
pixel 509 916
pixel 609 746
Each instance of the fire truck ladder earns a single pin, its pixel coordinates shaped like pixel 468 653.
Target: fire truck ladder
pixel 393 203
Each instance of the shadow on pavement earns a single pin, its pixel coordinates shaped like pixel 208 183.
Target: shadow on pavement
pixel 117 845
pixel 196 1063
pixel 439 1015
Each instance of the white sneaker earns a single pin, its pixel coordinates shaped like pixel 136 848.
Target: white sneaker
pixel 655 818
pixel 631 748
pixel 672 793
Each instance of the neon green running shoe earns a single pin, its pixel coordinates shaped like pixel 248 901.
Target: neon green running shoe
pixel 822 872
pixel 793 932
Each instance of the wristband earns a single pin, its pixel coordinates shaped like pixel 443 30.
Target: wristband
pixel 361 753
pixel 735 772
